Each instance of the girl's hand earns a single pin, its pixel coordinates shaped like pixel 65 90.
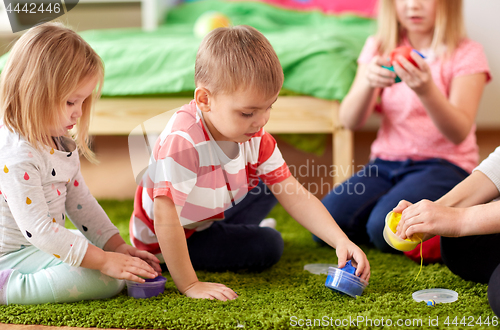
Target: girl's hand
pixel 417 78
pixel 377 76
pixel 208 290
pixel 150 258
pixel 125 267
pixel 348 250
pixel 429 218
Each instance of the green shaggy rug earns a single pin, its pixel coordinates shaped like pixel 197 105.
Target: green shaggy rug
pixel 282 297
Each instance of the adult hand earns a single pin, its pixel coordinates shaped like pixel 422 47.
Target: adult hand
pixel 429 218
pixel 208 290
pixel 419 79
pixel 402 205
pixel 378 76
pixel 347 250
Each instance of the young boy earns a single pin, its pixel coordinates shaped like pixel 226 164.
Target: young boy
pixel 214 161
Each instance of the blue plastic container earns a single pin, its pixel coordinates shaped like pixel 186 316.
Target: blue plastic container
pixel 343 280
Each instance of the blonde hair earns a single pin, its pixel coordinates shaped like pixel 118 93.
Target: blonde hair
pixel 449 28
pixel 46 65
pixel 233 58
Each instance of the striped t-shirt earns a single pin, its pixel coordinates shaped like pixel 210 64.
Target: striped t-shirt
pixel 189 167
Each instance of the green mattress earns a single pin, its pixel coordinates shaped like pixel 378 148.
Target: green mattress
pixel 318 52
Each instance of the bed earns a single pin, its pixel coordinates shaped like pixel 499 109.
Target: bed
pixel 151 72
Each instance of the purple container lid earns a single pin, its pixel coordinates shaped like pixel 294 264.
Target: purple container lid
pixel 151 288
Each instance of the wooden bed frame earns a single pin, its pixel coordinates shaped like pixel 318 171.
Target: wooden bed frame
pixel 290 114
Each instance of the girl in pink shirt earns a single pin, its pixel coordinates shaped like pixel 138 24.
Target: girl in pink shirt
pixel 426 143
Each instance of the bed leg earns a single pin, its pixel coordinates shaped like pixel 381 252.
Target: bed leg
pixel 343 160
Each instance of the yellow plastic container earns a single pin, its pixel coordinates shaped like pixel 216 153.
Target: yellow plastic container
pixel 391 222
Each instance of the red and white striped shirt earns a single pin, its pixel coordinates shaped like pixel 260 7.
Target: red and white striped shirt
pixel 189 167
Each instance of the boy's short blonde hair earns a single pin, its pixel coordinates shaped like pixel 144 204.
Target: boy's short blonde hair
pixel 45 66
pixel 235 58
pixel 449 28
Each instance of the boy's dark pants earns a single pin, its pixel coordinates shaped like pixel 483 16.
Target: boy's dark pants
pixel 237 242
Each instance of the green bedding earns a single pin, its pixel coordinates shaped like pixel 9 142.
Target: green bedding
pixel 318 52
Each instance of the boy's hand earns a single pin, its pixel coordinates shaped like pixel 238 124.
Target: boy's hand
pixel 348 250
pixel 150 258
pixel 208 290
pixel 125 267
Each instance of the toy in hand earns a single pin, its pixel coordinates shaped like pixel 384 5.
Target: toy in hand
pixel 391 223
pixel 404 51
pixel 209 21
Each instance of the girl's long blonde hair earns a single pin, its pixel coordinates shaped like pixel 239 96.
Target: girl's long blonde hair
pixel 449 28
pixel 46 65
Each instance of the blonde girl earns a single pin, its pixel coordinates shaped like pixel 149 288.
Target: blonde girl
pixel 426 143
pixel 48 86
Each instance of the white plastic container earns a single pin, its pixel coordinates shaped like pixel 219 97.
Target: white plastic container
pixel 436 295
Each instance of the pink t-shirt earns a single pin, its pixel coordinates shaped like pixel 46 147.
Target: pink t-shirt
pixel 407 131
